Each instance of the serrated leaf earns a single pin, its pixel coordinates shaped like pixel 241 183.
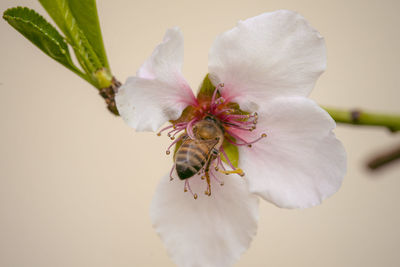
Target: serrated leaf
pixel 232 152
pixel 85 13
pixel 42 34
pixel 60 12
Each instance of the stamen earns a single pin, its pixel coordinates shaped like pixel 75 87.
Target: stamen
pixel 219 162
pixel 245 143
pixel 175 132
pixel 163 129
pixel 242 116
pixel 216 179
pixel 170 132
pixel 219 101
pixel 187 186
pixel 227 158
pixel 189 128
pixel 171 126
pixel 215 92
pixel 223 110
pixel 178 131
pixel 173 143
pixel 214 103
pixel 238 116
pixel 238 171
pixel 170 173
pixel 242 127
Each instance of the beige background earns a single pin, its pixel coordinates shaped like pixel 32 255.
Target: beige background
pixel 76 182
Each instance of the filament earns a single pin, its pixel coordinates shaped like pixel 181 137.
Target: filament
pixel 187 187
pixel 170 173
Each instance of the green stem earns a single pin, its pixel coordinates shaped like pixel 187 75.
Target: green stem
pixel 366 118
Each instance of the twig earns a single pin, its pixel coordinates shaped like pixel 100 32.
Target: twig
pixel 361 117
pixel 384 158
pixel 108 94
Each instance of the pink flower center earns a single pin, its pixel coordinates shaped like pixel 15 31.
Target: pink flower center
pixel 229 118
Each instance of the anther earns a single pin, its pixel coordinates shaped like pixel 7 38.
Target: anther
pixel 158 134
pixel 249 145
pixel 167 152
pixel 203 177
pixel 264 135
pixel 195 196
pixel 222 183
pixel 185 190
pixel 208 191
pixel 172 137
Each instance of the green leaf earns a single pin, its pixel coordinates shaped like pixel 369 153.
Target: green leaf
pixel 60 12
pixel 206 90
pixel 41 33
pixel 85 13
pixel 232 152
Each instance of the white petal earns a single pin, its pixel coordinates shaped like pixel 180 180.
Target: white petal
pixel 147 104
pixel 300 162
pixel 209 231
pixel 166 59
pixel 159 92
pixel 273 54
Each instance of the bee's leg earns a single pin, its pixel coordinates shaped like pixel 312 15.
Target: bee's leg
pixel 212 156
pixel 237 171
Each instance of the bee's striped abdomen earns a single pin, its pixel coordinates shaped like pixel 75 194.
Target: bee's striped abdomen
pixel 191 157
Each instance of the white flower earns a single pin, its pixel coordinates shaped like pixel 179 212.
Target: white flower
pixel 268 65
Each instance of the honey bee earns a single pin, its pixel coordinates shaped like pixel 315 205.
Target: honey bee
pixel 195 154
